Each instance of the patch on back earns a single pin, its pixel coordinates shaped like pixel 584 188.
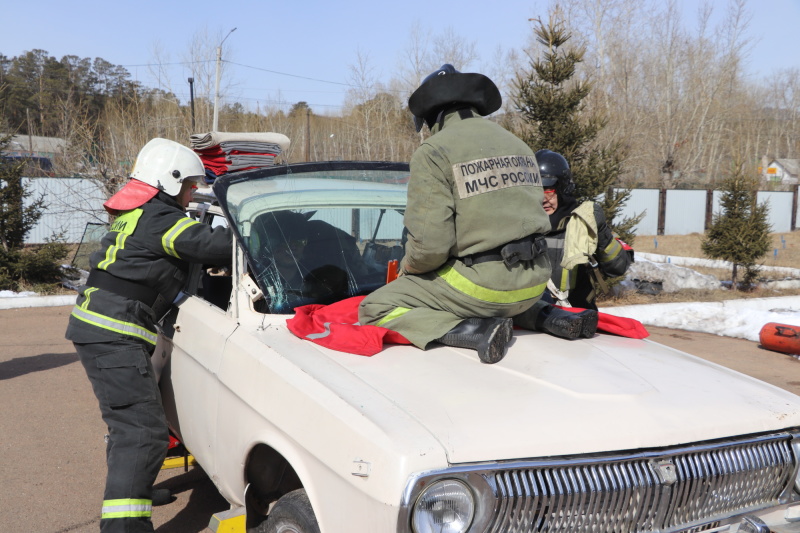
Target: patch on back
pixel 126 222
pixel 494 173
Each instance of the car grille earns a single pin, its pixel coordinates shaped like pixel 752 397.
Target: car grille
pixel 688 490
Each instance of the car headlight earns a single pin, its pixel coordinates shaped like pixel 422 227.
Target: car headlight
pixel 446 506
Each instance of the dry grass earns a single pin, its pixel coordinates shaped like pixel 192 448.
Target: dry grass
pixel 787 246
pixel 788 255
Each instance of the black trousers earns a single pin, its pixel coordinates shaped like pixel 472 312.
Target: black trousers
pixel 123 382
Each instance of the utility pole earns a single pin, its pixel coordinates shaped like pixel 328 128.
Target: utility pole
pixel 191 99
pixel 30 130
pixel 308 134
pixel 216 87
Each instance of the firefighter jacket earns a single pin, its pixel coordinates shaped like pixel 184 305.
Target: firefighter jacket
pixel 150 247
pixel 474 248
pixel 472 184
pixel 576 235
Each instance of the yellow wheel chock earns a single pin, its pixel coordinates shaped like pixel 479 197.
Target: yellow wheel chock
pixel 232 521
pixel 177 462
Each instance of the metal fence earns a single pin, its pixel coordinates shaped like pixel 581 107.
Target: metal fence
pixel 70 204
pixel 681 212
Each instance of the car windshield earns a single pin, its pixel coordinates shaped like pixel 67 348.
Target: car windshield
pixel 317 233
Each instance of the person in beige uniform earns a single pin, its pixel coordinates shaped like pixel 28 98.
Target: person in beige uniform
pixel 475 254
pixel 596 252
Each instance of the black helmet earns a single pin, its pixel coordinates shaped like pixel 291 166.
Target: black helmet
pixel 555 172
pixel 447 87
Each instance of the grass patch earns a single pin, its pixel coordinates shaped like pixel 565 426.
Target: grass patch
pixel 784 252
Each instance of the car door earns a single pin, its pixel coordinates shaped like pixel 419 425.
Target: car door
pixel 195 338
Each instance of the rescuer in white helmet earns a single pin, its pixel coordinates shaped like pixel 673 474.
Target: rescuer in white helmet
pixel 142 264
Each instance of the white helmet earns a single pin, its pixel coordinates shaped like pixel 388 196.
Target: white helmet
pixel 165 164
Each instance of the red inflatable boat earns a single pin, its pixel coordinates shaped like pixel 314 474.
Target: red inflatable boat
pixel 780 338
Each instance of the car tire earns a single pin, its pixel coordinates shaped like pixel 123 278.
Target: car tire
pixel 291 514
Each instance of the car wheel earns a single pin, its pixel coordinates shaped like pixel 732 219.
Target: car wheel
pixel 291 514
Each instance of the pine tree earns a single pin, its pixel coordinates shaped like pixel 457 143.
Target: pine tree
pixel 19 265
pixel 16 220
pixel 551 104
pixel 740 233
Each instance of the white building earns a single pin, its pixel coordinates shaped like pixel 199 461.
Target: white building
pixel 783 171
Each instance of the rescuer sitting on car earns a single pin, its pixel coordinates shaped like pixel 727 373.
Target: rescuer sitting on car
pixel 581 246
pixel 475 255
pixel 136 275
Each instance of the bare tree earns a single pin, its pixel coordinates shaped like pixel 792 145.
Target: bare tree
pixel 416 61
pixel 449 47
pixel 363 88
pixel 670 94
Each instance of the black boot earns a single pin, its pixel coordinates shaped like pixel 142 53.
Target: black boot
pixel 488 336
pixel 589 325
pixel 557 322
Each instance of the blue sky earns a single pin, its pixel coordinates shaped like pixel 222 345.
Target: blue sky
pixel 283 48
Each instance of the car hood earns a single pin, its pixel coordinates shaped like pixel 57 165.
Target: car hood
pixel 551 397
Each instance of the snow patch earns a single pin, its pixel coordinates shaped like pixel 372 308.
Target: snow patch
pixel 741 319
pixel 672 277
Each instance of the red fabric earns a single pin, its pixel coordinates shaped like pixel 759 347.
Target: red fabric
pixel 217 151
pixel 220 166
pixel 213 150
pixel 625 245
pixel 214 158
pixel 616 325
pixel 134 194
pixel 217 160
pixel 221 170
pixel 335 326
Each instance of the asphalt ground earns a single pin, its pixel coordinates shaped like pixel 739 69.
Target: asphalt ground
pixel 52 454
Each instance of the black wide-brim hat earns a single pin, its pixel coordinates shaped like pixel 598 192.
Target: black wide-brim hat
pixel 440 92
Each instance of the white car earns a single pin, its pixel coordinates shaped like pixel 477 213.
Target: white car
pixel 607 434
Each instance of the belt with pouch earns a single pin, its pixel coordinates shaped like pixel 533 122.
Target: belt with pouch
pixel 524 249
pixel 131 290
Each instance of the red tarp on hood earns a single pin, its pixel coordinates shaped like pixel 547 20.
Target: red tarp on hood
pixel 336 326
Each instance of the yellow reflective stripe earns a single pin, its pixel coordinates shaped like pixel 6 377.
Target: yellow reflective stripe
pixel 127 508
pixel 111 324
pixel 127 222
pixel 127 514
pixel 168 239
pixel 611 251
pixel 398 311
pixel 461 283
pixel 88 296
pixel 111 252
pixel 564 285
